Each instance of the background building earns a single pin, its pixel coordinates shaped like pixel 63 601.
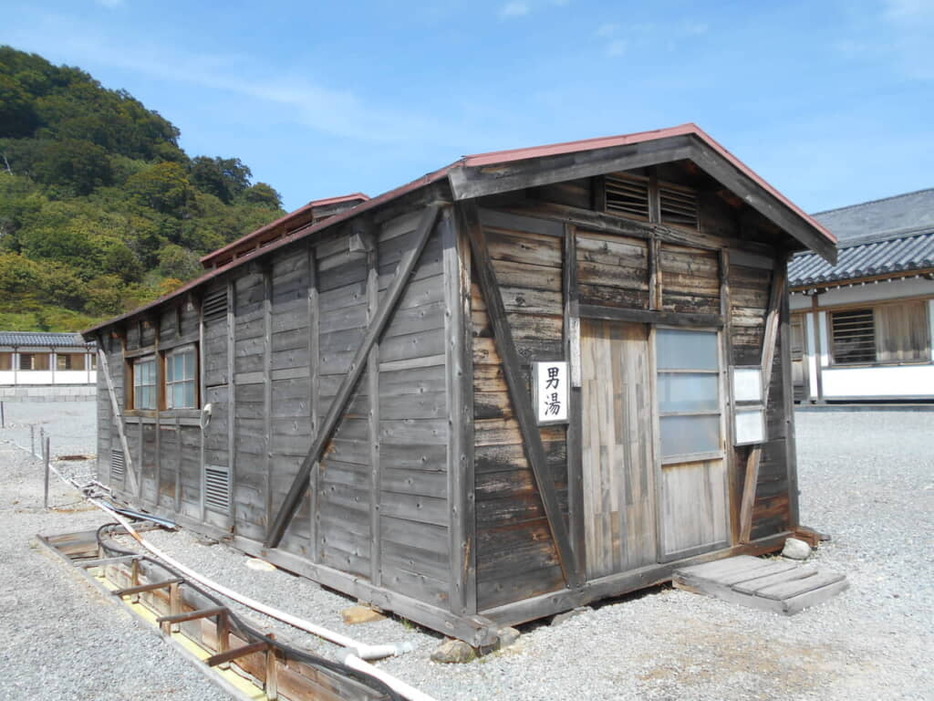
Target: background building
pixel 861 329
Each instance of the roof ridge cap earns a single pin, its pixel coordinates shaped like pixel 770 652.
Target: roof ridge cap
pixel 876 201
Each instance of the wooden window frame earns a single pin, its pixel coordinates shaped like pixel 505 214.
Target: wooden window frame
pixel 681 458
pixel 135 364
pixel 168 384
pixel 923 353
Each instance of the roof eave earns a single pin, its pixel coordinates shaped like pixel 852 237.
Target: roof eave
pixel 490 174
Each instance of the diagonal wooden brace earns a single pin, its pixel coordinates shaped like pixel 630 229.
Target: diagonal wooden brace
pixel 300 484
pixel 769 340
pixel 521 402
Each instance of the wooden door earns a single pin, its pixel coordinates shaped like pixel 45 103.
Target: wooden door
pixel 692 479
pixel 617 460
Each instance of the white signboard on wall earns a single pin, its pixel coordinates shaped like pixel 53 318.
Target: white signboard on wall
pixel 550 384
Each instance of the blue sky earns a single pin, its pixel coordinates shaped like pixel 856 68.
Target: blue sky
pixel 828 100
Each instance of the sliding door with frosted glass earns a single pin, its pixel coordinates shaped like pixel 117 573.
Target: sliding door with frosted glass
pixel 692 484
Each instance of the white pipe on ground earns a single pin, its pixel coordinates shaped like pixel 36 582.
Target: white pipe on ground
pixel 362 650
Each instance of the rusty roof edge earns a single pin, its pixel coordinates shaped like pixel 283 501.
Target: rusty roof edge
pixel 299 233
pixel 761 182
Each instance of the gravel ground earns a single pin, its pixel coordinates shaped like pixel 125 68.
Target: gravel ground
pixel 867 479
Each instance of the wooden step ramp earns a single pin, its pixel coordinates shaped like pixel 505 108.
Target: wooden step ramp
pixel 777 585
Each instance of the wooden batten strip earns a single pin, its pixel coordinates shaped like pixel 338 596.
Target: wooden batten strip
pixel 770 337
pixel 329 424
pixel 135 478
pixel 521 402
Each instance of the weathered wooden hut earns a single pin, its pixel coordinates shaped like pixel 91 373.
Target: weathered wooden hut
pixel 526 381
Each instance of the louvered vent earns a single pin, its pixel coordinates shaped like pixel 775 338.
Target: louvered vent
pixel 214 307
pixel 217 488
pixel 628 196
pixel 117 466
pixel 677 206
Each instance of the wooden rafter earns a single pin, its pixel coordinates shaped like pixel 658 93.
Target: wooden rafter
pixel 519 396
pixel 375 329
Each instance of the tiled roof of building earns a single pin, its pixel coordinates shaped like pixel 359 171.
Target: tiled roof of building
pixel 890 237
pixel 41 339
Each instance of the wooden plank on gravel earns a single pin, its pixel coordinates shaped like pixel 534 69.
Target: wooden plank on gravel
pixel 752 585
pixel 797 587
pixel 772 585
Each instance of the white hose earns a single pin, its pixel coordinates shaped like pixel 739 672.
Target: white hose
pixel 361 650
pixel 397 685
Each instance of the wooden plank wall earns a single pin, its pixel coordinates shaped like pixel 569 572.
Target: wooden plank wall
pixel 749 289
pixel 272 365
pixel 414 512
pixel 516 558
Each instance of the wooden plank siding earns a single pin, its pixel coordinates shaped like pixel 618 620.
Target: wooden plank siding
pixel 750 290
pixel 515 549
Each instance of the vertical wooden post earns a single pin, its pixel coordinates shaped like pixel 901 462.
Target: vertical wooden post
pixel 272 673
pixel 314 384
pixel 202 396
pixel 267 392
pixel 160 403
pixel 572 340
pixel 369 238
pixel 791 453
pixel 459 391
pixel 818 348
pixel 231 399
pixel 48 469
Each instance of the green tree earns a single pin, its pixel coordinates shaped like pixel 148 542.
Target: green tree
pixel 79 165
pixel 164 187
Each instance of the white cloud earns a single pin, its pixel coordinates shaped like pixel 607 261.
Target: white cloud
pixel 517 8
pixel 911 26
pixel 607 29
pixel 910 10
pixel 617 47
pixel 109 3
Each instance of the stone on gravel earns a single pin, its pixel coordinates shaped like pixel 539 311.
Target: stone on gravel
pixel 354 615
pixel 453 652
pixel 796 549
pixel 506 637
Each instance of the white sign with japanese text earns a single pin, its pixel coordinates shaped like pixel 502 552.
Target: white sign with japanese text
pixel 550 383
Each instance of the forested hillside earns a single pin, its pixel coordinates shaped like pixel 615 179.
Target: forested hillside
pixel 100 210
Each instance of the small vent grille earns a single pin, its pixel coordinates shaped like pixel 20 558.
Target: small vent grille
pixel 677 207
pixel 627 196
pixel 117 466
pixel 217 488
pixel 214 306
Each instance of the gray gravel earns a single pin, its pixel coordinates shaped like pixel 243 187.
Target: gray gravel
pixel 867 478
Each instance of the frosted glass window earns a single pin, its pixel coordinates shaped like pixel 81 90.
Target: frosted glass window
pixel 677 349
pixel 750 426
pixel 683 435
pixel 688 392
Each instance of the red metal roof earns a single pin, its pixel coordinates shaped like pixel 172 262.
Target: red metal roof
pixel 301 229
